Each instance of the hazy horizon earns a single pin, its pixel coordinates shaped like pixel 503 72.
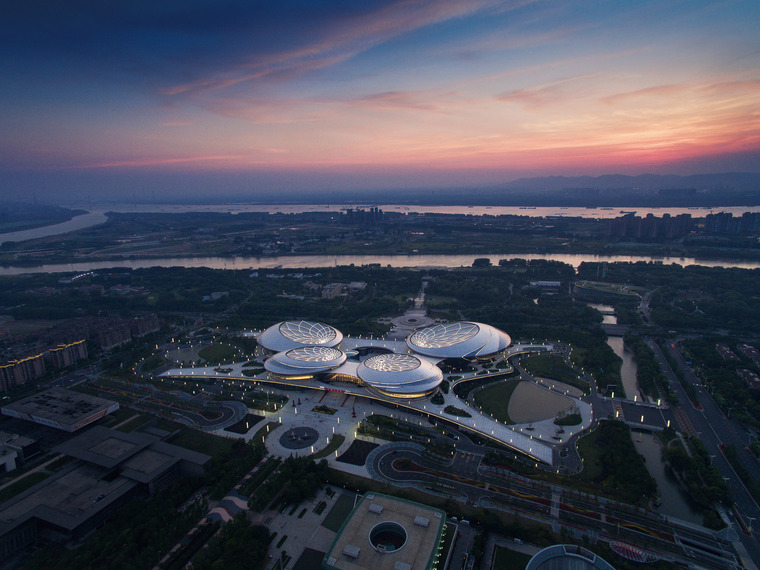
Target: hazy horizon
pixel 197 98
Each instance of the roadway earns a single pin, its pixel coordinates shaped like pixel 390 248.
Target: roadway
pixel 564 509
pixel 707 423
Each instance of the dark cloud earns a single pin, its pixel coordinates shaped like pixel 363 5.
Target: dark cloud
pixel 189 41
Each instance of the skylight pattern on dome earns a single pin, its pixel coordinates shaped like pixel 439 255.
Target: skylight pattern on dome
pixel 307 332
pixel 392 362
pixel 444 335
pixel 314 354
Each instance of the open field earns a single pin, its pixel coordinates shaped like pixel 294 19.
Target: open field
pixel 494 399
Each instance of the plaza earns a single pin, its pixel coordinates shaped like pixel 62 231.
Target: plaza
pixel 391 376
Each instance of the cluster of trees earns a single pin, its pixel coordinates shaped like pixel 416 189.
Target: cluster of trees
pixel 227 467
pixel 649 374
pixel 502 296
pixel 170 289
pixel 240 545
pixel 693 297
pixel 702 480
pixel 729 391
pixel 622 470
pixel 296 479
pixel 136 538
pixel 733 458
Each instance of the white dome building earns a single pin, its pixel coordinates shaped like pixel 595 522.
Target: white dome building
pixel 305 362
pixel 400 375
pixel 296 334
pixel 467 340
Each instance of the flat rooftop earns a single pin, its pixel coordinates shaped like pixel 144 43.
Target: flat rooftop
pixel 111 465
pixel 422 525
pixel 60 408
pixel 66 499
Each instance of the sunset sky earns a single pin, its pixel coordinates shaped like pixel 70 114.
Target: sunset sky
pixel 130 98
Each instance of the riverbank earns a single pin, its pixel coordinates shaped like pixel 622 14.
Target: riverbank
pixel 317 261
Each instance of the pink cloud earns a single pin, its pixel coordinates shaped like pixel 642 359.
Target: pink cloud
pixel 160 161
pixel 656 91
pixel 548 94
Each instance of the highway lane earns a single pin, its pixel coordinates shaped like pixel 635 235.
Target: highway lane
pixel 727 431
pixel 560 507
pixel 708 424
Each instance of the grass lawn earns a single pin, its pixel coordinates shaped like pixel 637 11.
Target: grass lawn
pixel 152 362
pixel 495 399
pixel 121 414
pixel 448 539
pixel 339 512
pixel 569 420
pixel 309 560
pixel 201 442
pixel 263 432
pixel 334 444
pixel 590 451
pixel 135 422
pixel 459 412
pixel 506 559
pixel 217 353
pixel 22 485
pixel 550 366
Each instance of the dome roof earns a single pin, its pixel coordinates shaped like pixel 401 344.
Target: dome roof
pixel 305 360
pixel 296 334
pixel 402 374
pixel 459 340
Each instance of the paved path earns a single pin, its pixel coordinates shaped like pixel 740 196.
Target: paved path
pixel 537 442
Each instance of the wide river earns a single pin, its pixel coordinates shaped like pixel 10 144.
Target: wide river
pixel 300 261
pixel 97 215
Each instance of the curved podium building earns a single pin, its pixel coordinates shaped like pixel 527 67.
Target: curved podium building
pixel 400 375
pixel 298 334
pixel 306 350
pixel 466 340
pixel 304 363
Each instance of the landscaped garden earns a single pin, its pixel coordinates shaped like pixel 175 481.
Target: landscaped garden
pixel 553 367
pixel 494 399
pixel 218 353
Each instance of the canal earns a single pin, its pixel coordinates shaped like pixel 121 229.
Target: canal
pixel 675 502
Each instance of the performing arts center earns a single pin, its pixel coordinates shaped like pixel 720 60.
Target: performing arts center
pixel 406 373
pixel 305 350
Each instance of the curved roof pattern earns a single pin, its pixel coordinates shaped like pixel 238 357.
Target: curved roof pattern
pixel 305 360
pixel 402 374
pixel 295 334
pixel 462 339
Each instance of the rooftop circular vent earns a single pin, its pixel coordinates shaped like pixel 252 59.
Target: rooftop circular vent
pixel 387 536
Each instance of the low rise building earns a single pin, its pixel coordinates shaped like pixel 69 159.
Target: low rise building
pixel 112 468
pixel 387 533
pixel 60 408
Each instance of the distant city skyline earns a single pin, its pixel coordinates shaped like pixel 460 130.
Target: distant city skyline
pixel 192 98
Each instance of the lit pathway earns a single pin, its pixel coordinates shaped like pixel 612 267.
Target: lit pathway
pixel 536 439
pixel 536 442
